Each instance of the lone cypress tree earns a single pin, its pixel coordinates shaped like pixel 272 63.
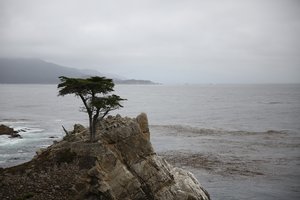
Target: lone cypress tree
pixel 95 95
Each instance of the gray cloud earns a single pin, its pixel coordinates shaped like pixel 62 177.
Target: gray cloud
pixel 170 41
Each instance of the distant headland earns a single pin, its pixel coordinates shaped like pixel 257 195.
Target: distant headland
pixel 36 71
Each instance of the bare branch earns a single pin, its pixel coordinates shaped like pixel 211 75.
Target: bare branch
pixel 65 130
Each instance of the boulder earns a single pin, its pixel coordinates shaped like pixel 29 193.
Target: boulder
pixel 15 135
pixel 5 130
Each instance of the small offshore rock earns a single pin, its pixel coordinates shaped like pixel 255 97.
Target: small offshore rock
pixel 15 135
pixel 5 130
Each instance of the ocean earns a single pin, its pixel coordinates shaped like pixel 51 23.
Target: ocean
pixel 241 141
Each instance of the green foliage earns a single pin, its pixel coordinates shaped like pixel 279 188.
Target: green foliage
pixel 88 86
pixel 95 95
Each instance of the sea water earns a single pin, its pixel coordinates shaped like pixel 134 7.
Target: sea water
pixel 230 119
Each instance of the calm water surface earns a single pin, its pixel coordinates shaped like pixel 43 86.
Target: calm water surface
pixel 198 119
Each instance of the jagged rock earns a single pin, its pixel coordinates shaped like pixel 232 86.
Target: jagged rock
pixel 39 151
pixel 15 135
pixel 5 130
pixel 120 165
pixel 126 166
pixel 142 120
pixel 78 128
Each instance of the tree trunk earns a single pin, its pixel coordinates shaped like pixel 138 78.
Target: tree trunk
pixel 94 130
pixel 94 123
pixel 90 113
pixel 91 127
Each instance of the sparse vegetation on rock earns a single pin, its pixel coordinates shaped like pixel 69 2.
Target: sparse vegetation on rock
pixel 94 93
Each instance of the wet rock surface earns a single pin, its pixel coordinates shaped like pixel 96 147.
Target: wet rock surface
pixel 5 130
pixel 120 165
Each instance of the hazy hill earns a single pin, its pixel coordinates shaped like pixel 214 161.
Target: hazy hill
pixel 33 71
pixel 36 71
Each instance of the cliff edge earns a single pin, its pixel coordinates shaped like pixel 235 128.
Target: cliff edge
pixel 120 165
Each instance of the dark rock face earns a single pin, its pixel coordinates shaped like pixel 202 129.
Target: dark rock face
pixel 120 165
pixel 5 130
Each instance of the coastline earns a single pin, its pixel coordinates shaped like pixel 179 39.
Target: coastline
pixel 119 164
pixel 202 125
pixel 234 165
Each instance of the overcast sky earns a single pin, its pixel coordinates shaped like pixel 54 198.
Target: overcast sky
pixel 168 41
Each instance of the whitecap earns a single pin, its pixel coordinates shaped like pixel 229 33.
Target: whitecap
pixel 6 141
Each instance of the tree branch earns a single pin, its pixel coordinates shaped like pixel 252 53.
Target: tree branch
pixel 67 133
pixel 105 113
pixel 85 104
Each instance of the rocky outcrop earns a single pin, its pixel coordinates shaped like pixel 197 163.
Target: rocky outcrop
pixel 142 120
pixel 5 130
pixel 120 165
pixel 125 166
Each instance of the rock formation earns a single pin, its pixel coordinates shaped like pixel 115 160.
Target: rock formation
pixel 120 165
pixel 5 130
pixel 142 120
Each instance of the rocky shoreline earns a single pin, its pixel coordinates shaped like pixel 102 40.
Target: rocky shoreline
pixel 120 165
